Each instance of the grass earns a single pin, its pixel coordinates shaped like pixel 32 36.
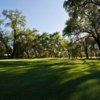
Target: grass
pixel 49 79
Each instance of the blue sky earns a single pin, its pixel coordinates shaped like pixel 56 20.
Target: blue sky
pixel 44 15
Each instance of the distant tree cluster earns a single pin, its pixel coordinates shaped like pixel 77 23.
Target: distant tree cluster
pixel 83 47
pixel 17 41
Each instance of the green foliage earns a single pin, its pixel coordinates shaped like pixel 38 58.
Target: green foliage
pixel 17 41
pixel 84 17
pixel 16 18
pixel 24 42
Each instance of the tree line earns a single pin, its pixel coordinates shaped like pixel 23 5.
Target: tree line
pixel 18 41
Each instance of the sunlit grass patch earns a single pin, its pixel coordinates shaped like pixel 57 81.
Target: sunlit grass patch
pixel 49 79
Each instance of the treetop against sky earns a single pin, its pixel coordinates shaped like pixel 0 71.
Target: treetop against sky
pixel 44 15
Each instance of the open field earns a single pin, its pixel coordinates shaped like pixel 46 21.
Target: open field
pixel 49 79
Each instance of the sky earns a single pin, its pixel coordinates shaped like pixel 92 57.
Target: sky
pixel 44 15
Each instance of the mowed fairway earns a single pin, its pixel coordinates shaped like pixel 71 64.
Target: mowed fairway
pixel 49 79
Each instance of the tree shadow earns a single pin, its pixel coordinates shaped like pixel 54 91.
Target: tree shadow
pixel 44 81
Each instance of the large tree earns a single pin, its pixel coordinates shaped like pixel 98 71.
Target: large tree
pixel 16 22
pixel 84 18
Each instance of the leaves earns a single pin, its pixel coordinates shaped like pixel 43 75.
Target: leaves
pixel 84 17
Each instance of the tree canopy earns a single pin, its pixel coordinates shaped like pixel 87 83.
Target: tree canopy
pixel 84 18
pixel 18 41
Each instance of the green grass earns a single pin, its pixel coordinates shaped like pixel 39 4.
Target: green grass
pixel 49 79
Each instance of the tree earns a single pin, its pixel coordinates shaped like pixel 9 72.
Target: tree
pixel 84 17
pixel 16 22
pixel 30 42
pixel 4 40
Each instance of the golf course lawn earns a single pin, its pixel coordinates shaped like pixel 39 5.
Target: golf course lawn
pixel 49 79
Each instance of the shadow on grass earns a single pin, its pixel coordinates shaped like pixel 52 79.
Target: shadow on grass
pixel 43 81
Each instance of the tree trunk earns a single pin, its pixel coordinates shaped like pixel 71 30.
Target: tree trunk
pixel 14 50
pixel 86 52
pixel 14 46
pixel 68 54
pixel 80 55
pixel 97 40
pixel 27 54
pixel 7 51
pixel 86 48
